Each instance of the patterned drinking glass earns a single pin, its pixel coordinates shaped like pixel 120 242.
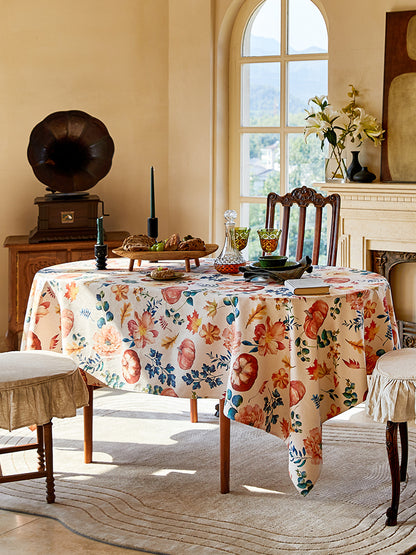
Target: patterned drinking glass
pixel 241 237
pixel 269 239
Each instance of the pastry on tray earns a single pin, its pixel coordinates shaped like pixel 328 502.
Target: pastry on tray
pixel 172 243
pixel 194 244
pixel 139 243
pixel 134 243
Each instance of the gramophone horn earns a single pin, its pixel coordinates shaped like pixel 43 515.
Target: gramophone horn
pixel 70 151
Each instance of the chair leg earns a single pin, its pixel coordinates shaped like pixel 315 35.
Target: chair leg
pixel 405 450
pixel 194 410
pixel 224 450
pixel 391 444
pixel 50 483
pixel 88 417
pixel 44 450
pixel 40 449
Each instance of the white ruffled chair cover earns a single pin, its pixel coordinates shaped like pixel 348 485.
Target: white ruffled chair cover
pixel 392 390
pixel 36 386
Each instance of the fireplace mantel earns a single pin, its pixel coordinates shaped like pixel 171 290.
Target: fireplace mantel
pixel 374 216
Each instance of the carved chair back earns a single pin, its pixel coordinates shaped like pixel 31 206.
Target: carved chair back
pixel 305 197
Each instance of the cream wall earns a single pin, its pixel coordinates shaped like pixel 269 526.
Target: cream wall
pixel 155 72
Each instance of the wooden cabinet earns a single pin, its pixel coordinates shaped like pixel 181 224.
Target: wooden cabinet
pixel 25 259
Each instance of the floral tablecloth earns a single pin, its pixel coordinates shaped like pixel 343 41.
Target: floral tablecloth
pixel 284 363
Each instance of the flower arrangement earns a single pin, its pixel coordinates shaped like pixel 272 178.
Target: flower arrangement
pixel 338 126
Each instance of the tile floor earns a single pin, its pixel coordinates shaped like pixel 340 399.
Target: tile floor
pixel 33 535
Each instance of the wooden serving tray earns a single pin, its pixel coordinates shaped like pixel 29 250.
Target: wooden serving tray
pixel 159 256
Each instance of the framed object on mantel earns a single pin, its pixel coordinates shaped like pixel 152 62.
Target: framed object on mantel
pixel 399 98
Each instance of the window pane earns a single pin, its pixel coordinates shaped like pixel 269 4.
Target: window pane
pixel 262 34
pixel 260 94
pixel 307 29
pixel 306 161
pixel 253 215
pixel 305 167
pixel 260 163
pixel 306 79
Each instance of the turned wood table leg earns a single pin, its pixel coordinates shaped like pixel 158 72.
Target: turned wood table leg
pixel 405 450
pixel 88 418
pixel 224 449
pixel 194 410
pixel 391 444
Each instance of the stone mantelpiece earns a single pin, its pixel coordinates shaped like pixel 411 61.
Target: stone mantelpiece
pixel 378 232
pixel 374 216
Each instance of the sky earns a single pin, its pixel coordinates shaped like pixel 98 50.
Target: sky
pixel 308 27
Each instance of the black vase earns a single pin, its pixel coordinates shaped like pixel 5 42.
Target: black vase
pixel 364 176
pixel 355 165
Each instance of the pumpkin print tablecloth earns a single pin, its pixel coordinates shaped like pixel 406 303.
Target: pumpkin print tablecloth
pixel 283 363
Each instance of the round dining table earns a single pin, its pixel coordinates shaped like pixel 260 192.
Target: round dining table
pixel 280 362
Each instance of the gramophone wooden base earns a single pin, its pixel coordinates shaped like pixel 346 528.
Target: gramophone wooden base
pixel 66 219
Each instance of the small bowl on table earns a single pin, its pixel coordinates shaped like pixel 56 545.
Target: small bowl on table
pixel 272 261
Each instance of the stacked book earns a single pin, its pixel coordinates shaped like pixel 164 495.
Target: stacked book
pixel 307 286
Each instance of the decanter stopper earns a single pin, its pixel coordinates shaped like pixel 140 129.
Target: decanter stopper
pixel 230 258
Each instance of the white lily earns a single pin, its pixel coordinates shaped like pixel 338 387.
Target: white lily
pixel 336 126
pixel 318 100
pixel 366 126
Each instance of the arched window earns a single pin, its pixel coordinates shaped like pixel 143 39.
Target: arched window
pixel 278 60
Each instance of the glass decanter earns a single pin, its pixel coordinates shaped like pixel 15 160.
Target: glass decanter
pixel 230 258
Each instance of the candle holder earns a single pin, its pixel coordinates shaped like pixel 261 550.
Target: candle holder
pixel 101 252
pixel 152 228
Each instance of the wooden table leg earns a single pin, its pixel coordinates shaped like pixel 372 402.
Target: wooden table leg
pixel 88 414
pixel 194 410
pixel 224 450
pixel 131 264
pixel 391 444
pixel 187 265
pixel 405 450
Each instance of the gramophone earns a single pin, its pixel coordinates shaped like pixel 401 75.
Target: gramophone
pixel 69 153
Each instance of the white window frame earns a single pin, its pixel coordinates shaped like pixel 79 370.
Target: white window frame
pixel 236 130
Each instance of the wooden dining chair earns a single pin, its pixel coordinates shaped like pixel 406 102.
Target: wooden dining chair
pixel 305 198
pixel 36 386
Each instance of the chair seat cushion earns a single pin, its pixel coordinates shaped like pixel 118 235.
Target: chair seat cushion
pixel 36 386
pixel 392 390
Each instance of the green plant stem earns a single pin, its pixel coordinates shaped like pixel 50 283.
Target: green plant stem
pixel 341 169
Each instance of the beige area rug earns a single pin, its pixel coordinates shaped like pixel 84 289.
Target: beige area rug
pixel 154 484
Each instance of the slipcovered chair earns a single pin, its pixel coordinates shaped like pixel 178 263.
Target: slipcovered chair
pixel 36 386
pixel 392 399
